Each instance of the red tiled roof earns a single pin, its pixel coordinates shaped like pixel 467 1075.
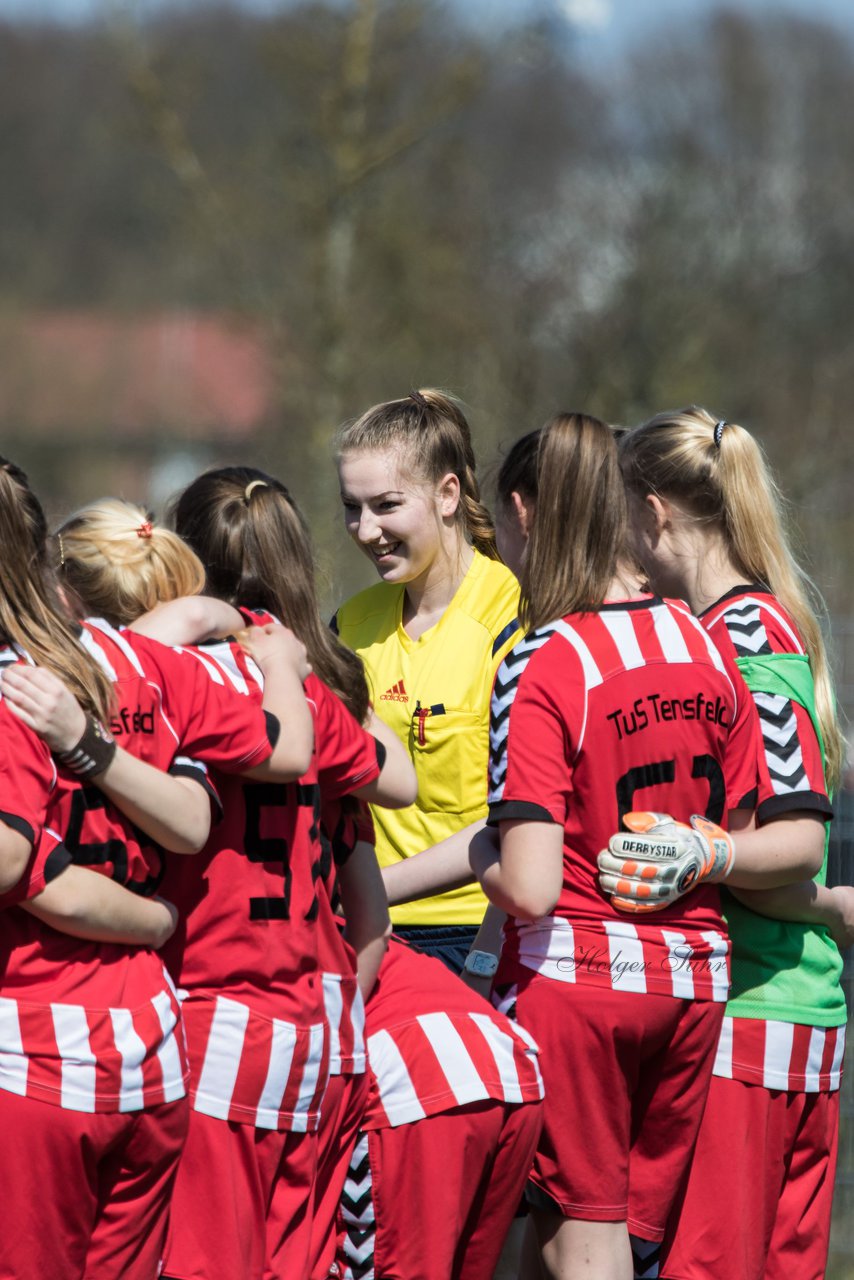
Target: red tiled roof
pixel 188 373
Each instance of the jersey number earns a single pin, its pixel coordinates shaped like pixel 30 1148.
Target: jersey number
pixel 663 772
pixel 261 796
pixel 98 853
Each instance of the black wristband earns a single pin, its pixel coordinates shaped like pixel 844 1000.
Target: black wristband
pixel 93 754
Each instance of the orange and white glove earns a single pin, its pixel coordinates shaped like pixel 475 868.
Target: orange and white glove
pixel 658 860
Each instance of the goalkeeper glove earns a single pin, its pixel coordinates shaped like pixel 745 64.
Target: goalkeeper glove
pixel 659 860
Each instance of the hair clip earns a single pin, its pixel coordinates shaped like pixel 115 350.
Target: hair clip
pixel 145 530
pixel 253 484
pixel 419 399
pixel 719 430
pixel 61 551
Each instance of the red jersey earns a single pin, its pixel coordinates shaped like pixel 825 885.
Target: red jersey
pixel 434 1045
pixel 246 952
pixel 27 779
pixel 95 1026
pixel 629 707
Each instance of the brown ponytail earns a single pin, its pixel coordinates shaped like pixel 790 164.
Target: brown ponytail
pixel 717 473
pixel 433 429
pixel 31 613
pixel 579 526
pixel 255 546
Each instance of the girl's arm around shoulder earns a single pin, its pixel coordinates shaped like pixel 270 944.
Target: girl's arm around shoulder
pixel 189 620
pixel 285 667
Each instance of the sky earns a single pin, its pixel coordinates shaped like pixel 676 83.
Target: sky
pixel 602 24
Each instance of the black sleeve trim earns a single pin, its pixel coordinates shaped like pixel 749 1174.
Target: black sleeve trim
pixel 748 801
pixel 57 860
pixel 791 802
pixel 504 635
pixel 201 776
pixel 274 729
pixel 517 810
pixel 381 752
pixel 18 824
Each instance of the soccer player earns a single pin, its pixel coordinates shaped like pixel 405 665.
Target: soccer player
pixel 708 524
pixel 93 1074
pixel 614 701
pixel 431 634
pixel 252 538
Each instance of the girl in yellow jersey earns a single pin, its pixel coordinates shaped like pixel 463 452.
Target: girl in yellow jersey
pixel 431 633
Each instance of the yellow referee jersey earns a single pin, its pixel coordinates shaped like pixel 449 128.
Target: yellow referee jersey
pixel 434 692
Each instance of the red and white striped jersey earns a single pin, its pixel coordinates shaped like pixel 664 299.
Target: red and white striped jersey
pixel 434 1045
pixel 95 1026
pixel 629 707
pixel 781 1055
pixel 246 959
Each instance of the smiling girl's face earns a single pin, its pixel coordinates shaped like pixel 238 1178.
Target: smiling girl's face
pixel 398 519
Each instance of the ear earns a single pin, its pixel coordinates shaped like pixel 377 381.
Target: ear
pixel 448 495
pixel 659 511
pixel 524 512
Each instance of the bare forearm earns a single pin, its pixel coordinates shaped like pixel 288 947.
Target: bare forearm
pixel 85 904
pixel 190 620
pixel 435 870
pixel 783 852
pixel 174 812
pixel 366 912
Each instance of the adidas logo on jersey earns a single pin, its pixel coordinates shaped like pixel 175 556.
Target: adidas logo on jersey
pixel 396 693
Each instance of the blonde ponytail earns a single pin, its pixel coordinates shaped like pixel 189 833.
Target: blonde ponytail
pixel 717 472
pixel 120 564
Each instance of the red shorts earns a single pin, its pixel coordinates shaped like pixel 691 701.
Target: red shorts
pixel 776 1180
pixel 242 1204
pixel 444 1191
pixel 626 1077
pixel 86 1195
pixel 344 1105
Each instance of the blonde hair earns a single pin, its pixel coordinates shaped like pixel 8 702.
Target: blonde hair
pixel 578 532
pixel 31 612
pixel 717 472
pixel 120 564
pixel 433 430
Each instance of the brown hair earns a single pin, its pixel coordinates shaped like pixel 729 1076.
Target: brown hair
pixel 717 472
pixel 578 532
pixel 31 613
pixel 120 564
pixel 518 472
pixel 256 548
pixel 433 430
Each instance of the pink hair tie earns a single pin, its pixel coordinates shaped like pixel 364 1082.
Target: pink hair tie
pixel 145 530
